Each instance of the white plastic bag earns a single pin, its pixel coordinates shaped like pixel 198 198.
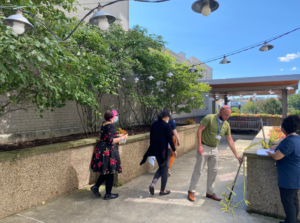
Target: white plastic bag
pixel 151 160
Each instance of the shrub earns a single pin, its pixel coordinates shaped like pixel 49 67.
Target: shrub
pixel 122 131
pixel 189 121
pixel 276 136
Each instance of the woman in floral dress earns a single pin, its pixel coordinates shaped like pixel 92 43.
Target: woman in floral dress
pixel 106 158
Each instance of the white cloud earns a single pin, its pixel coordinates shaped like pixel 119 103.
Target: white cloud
pixel 294 68
pixel 289 57
pixel 281 69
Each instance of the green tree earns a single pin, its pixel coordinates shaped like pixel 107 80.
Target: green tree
pixel 181 93
pixel 235 110
pixel 36 69
pixel 294 101
pixel 249 107
pixel 259 104
pixel 272 106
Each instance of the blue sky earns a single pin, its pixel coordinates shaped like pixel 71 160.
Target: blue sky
pixel 234 25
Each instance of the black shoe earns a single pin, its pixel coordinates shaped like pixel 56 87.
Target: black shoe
pixel 95 190
pixel 110 196
pixel 164 193
pixel 151 190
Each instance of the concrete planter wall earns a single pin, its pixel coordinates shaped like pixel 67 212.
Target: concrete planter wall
pixel 262 189
pixel 30 176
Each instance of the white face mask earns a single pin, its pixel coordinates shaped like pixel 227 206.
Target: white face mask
pixel 167 121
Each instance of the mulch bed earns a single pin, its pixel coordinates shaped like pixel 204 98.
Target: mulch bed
pixel 40 142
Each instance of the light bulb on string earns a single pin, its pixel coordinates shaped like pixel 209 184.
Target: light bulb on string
pixel 170 75
pixel 266 47
pixel 172 95
pixel 206 10
pixel 151 78
pixel 123 79
pixel 225 61
pixel 136 80
pixel 103 23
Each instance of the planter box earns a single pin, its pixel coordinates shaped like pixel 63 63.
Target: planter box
pixel 33 175
pixel 262 190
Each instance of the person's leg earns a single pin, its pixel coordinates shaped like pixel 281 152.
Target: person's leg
pixel 296 203
pixel 164 172
pixel 201 160
pixel 212 166
pixel 287 200
pixel 158 173
pixel 172 159
pixel 100 180
pixel 109 183
pixel 95 188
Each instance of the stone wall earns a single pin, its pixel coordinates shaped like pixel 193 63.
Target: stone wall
pixel 33 175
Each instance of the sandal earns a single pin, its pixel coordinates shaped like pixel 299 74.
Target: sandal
pixel 164 193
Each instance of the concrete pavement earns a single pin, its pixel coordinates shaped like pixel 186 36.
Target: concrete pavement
pixel 136 205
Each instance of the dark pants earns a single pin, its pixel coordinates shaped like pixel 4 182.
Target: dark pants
pixel 290 202
pixel 109 181
pixel 162 171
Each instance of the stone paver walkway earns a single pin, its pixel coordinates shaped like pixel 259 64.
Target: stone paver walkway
pixel 136 205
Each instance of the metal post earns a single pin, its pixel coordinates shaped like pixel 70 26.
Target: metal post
pixel 225 100
pixel 262 128
pixel 284 103
pixel 213 109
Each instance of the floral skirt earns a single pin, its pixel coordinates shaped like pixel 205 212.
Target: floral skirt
pixel 106 159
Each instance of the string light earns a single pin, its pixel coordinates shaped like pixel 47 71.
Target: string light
pixel 101 18
pixel 136 80
pixel 170 75
pixel 241 50
pixel 151 78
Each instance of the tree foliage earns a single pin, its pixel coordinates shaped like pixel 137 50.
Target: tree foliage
pixel 294 101
pixel 272 106
pixel 259 104
pixel 249 107
pixel 235 110
pixel 37 70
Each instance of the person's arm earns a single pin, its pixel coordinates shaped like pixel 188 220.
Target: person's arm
pixel 112 136
pixel 199 137
pixel 232 147
pixel 277 155
pixel 176 136
pixel 285 148
pixel 170 139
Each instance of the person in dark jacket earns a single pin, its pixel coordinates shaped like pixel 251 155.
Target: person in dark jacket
pixel 287 156
pixel 160 137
